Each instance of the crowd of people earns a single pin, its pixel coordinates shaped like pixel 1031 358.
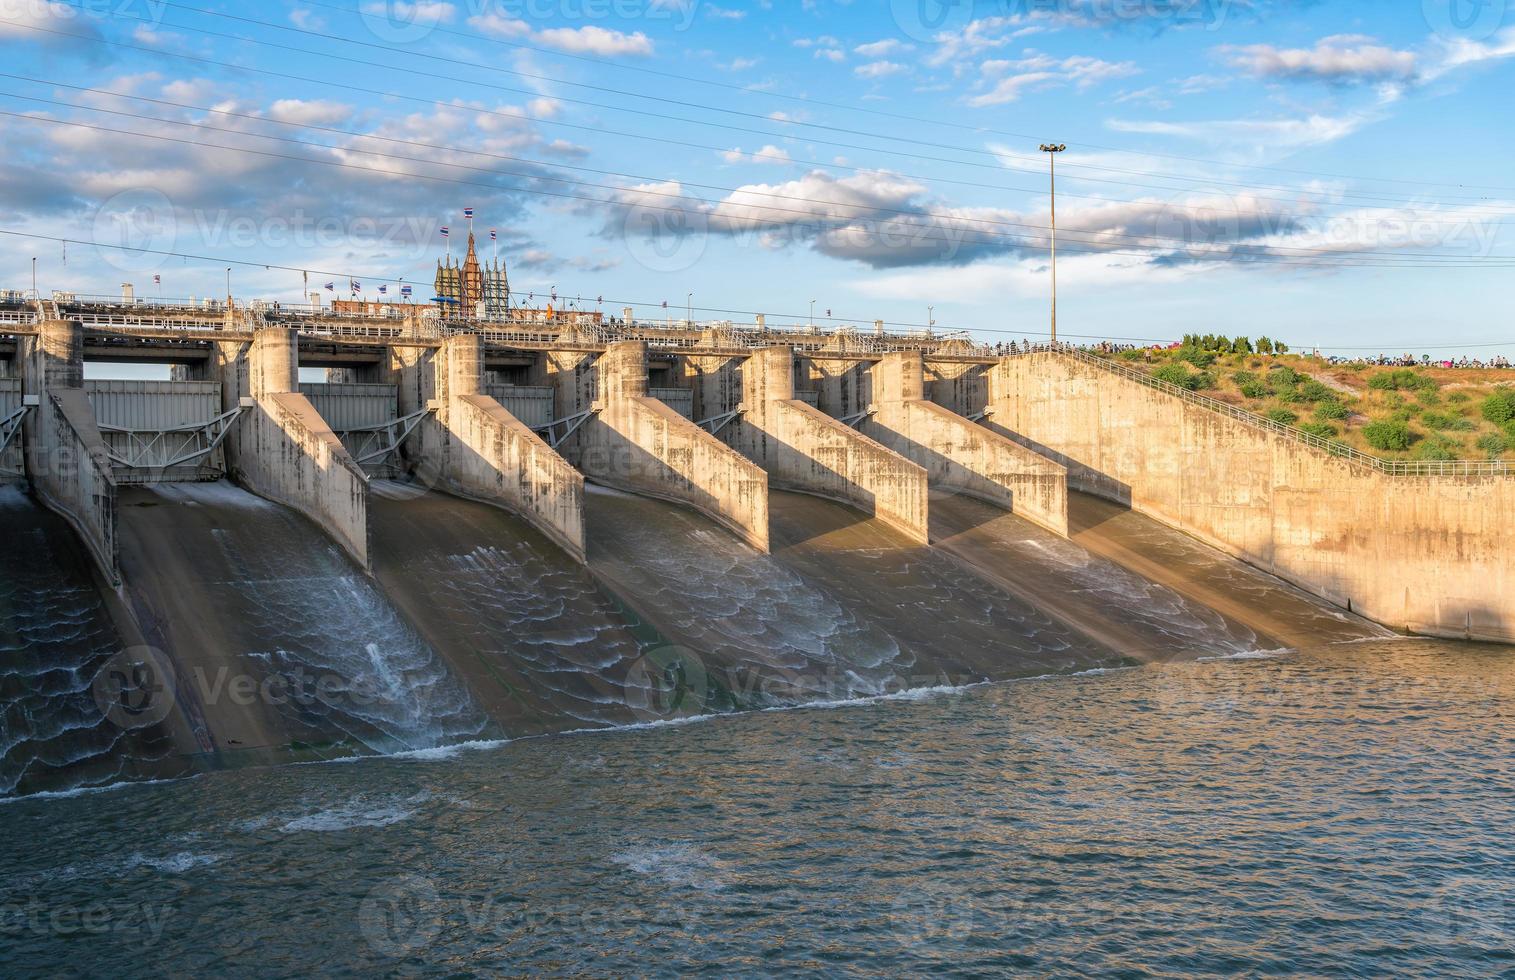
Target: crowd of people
pixel 1424 360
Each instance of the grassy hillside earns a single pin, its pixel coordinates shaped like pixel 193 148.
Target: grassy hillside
pixel 1395 413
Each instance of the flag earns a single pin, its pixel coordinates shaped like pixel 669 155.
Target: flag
pixel 383 290
pixel 665 304
pixel 157 280
pixel 493 235
pixel 444 231
pixel 404 290
pixel 331 287
pixel 468 213
pixel 356 286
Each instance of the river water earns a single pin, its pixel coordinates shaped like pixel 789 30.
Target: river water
pixel 1338 811
pixel 1117 752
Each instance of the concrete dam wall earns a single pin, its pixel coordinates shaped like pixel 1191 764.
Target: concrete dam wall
pixel 1431 554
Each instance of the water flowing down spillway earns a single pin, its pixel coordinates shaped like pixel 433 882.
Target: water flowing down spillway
pixel 542 647
pixel 1141 617
pixel 1281 614
pixel 234 587
pixel 56 637
pixel 843 607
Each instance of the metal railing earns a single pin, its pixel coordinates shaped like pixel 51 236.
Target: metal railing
pixel 1389 467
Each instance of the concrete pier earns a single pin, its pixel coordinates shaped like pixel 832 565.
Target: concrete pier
pixel 958 454
pixel 66 458
pixel 287 453
pixel 804 449
pixel 637 443
pixel 490 455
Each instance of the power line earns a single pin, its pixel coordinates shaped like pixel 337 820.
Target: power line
pixel 1099 239
pixel 992 238
pixel 1375 199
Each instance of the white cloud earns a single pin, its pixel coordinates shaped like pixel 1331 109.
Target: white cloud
pixel 880 69
pixel 316 112
pixel 1272 134
pixel 768 154
pixel 831 54
pixel 882 49
pixel 1345 59
pixel 495 24
pixel 596 40
pixel 958 48
pixel 1008 79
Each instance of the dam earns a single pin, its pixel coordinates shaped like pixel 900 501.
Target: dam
pixel 480 531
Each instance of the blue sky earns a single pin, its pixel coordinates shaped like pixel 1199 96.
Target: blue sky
pixel 1334 173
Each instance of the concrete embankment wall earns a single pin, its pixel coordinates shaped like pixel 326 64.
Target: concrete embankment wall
pixel 804 449
pixel 66 459
pixel 287 453
pixel 492 456
pixel 959 454
pixel 639 444
pixel 1429 555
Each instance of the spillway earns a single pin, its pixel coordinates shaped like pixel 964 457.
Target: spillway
pixel 843 607
pixel 540 644
pixel 234 587
pixel 57 634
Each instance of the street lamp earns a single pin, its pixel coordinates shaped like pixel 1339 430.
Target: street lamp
pixel 228 286
pixel 1052 150
pixel 812 314
pixel 690 311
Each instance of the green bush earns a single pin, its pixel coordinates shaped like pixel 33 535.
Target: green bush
pixel 1316 391
pixel 1264 345
pixel 1331 412
pixel 1256 389
pixel 1390 435
pixel 1282 374
pixel 1428 398
pixel 1499 407
pixel 1173 374
pixel 1494 445
pixel 1131 355
pixel 1196 356
pixel 1458 397
pixel 1203 381
pixel 1438 421
pixel 1243 377
pixel 1403 379
pixel 1320 429
pixel 1283 416
pixel 1291 394
pixel 1438 449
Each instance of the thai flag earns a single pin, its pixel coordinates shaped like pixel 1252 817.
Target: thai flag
pixel 331 287
pixel 357 287
pixel 157 280
pixel 404 290
pixel 383 290
pixel 492 236
pixel 468 213
pixel 444 231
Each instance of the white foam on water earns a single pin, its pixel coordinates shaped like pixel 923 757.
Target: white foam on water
pixel 1249 655
pixel 173 863
pixel 680 864
pixel 65 794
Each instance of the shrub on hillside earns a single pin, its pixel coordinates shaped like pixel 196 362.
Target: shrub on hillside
pixel 1458 397
pixel 1403 379
pixel 1499 407
pixel 1494 445
pixel 1174 374
pixel 1203 381
pixel 1320 429
pixel 1282 416
pixel 1243 377
pixel 1282 374
pixel 1196 356
pixel 1131 355
pixel 1389 435
pixel 1439 421
pixel 1256 389
pixel 1316 391
pixel 1438 449
pixel 1332 411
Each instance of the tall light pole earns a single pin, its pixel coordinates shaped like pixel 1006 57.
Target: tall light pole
pixel 1052 150
pixel 35 297
pixel 930 320
pixel 228 286
pixel 812 314
pixel 689 310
